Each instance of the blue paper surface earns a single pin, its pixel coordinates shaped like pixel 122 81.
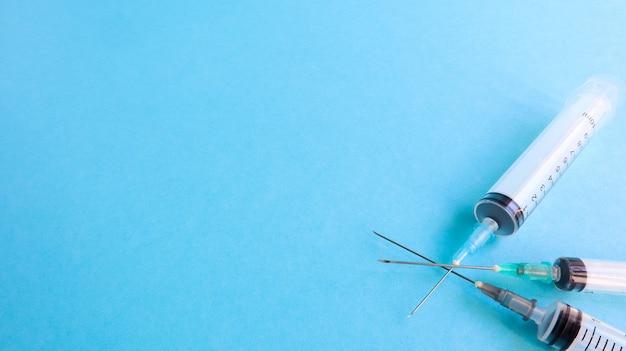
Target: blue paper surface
pixel 207 174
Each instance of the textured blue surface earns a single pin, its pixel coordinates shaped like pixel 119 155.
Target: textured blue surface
pixel 206 175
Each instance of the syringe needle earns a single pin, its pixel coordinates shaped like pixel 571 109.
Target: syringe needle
pixel 485 268
pixel 448 269
pixel 404 247
pixel 422 256
pixel 430 292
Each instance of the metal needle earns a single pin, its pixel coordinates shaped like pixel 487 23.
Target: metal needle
pixel 449 270
pixel 424 257
pixel 428 264
pixel 430 293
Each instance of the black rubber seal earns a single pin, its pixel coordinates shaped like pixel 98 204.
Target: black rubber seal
pixel 573 274
pixel 502 209
pixel 566 328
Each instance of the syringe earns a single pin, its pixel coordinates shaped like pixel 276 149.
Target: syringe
pixel 512 199
pixel 509 203
pixel 560 325
pixel 567 273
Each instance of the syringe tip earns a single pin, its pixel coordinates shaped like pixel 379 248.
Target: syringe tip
pixel 482 233
pixel 489 290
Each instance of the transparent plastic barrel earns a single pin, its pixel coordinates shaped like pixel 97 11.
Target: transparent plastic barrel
pixel 588 275
pixel 522 187
pixel 567 328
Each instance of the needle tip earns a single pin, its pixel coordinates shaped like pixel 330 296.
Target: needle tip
pixel 415 309
pixel 384 261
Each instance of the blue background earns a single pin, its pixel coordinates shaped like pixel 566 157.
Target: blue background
pixel 206 175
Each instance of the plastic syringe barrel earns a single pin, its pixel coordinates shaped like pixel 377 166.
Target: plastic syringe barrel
pixel 587 275
pixel 567 328
pixel 560 325
pixel 520 189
